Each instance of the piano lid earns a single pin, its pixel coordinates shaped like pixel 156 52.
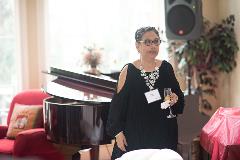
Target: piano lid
pixel 59 90
pixel 101 81
pixel 80 86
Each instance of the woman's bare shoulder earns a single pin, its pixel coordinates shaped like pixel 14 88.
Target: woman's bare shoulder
pixel 122 78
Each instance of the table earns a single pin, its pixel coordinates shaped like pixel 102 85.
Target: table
pixel 220 137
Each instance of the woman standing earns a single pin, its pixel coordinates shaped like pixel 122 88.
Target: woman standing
pixel 136 119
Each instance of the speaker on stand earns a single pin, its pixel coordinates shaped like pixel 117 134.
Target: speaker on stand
pixel 183 19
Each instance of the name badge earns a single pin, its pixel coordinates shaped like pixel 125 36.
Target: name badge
pixel 152 96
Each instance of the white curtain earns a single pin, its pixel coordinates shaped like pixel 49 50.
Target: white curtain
pixel 109 24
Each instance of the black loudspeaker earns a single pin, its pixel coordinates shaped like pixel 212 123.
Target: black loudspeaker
pixel 183 19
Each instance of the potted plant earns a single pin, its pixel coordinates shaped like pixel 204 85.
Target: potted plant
pixel 214 52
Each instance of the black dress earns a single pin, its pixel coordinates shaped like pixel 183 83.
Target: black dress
pixel 144 125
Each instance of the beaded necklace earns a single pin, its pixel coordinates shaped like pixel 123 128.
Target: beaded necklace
pixel 151 78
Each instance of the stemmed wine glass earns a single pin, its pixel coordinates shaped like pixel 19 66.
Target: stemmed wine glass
pixel 167 93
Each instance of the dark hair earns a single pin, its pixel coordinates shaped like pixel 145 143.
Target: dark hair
pixel 140 32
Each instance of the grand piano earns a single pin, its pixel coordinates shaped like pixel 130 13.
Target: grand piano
pixel 76 114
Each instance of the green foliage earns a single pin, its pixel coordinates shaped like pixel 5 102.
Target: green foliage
pixel 215 51
pixel 224 45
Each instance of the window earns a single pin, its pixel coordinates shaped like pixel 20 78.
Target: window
pixel 111 25
pixel 8 61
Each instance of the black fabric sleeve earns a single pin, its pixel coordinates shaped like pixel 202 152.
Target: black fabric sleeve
pixel 178 107
pixel 117 112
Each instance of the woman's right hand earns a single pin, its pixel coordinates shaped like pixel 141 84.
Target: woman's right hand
pixel 121 141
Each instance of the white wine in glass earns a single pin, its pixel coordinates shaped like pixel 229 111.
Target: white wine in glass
pixel 167 93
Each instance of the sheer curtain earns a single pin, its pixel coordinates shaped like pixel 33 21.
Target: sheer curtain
pixel 10 79
pixel 72 25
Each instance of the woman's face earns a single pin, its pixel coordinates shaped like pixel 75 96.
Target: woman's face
pixel 148 47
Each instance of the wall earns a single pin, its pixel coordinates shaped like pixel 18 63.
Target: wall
pixel 229 84
pixel 33 63
pixel 228 87
pixel 210 10
pixel 30 43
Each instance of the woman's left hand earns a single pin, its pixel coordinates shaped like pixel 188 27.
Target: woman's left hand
pixel 173 99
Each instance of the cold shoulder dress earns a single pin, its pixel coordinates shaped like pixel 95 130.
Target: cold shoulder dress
pixel 144 125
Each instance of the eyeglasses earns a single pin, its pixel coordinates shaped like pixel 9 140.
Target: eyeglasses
pixel 149 42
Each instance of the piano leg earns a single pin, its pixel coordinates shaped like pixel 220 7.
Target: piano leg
pixel 94 153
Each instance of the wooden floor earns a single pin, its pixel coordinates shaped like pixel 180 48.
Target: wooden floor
pixel 105 152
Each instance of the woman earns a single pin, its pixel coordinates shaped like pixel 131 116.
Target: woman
pixel 136 119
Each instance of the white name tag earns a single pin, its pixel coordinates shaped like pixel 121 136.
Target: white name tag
pixel 152 96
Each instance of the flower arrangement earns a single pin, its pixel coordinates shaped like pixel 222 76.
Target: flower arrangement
pixel 93 56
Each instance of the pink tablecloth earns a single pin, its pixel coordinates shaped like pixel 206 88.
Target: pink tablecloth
pixel 221 135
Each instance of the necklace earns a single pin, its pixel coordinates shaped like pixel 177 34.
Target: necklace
pixel 151 78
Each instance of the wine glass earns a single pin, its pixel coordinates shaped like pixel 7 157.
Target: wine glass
pixel 167 93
